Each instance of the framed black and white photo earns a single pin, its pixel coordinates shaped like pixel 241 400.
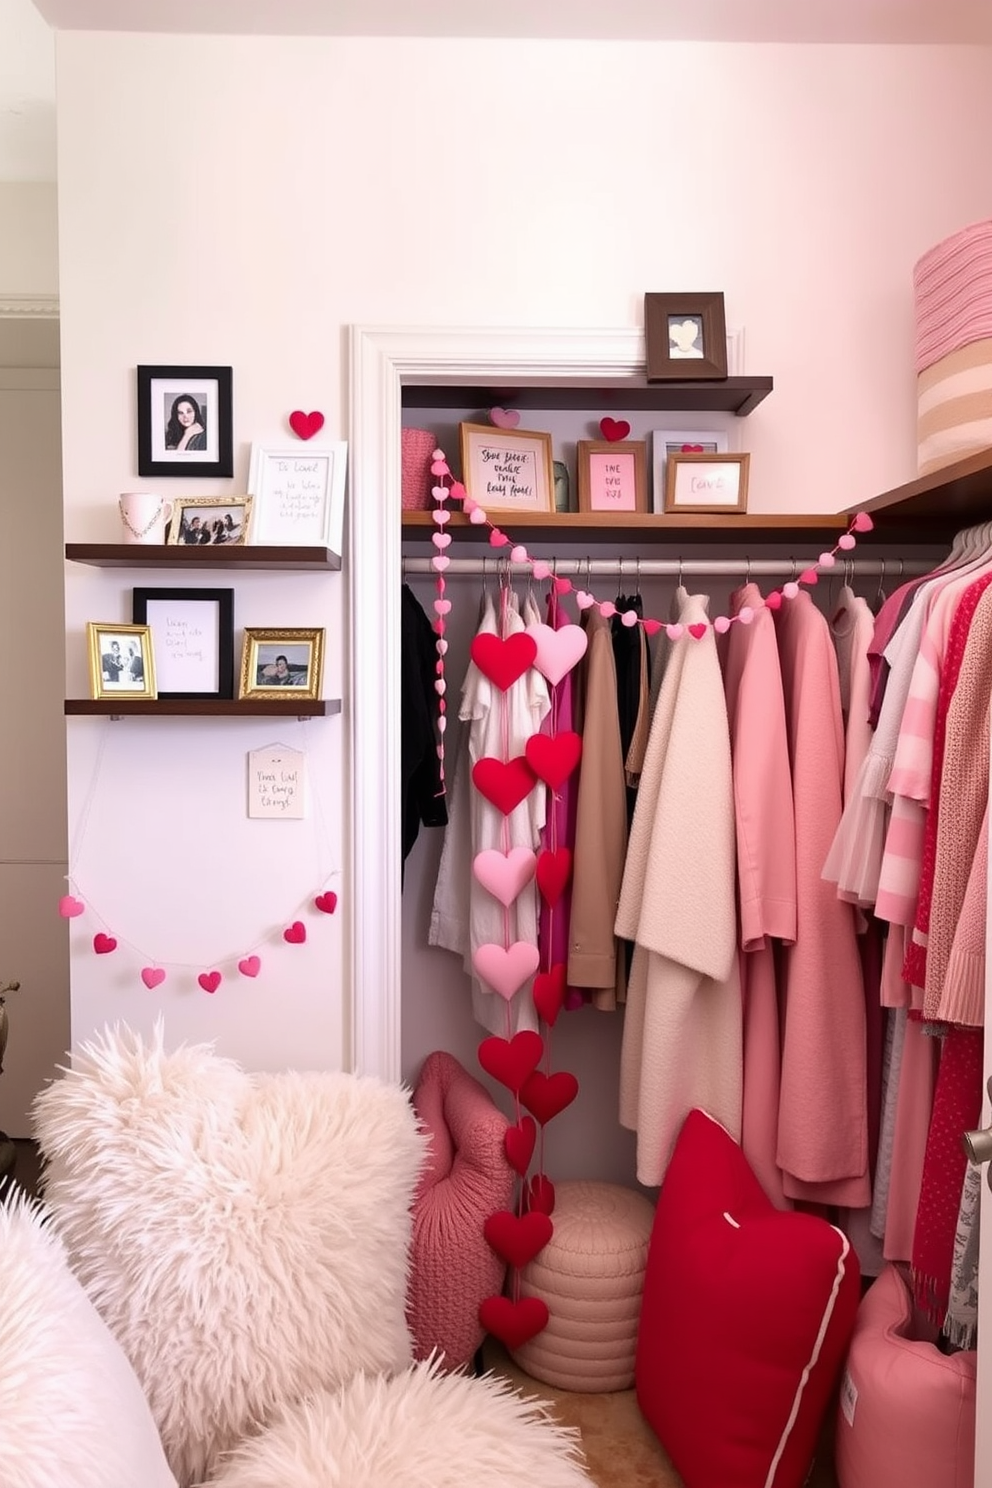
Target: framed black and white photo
pixel 192 637
pixel 298 495
pixel 185 421
pixel 122 663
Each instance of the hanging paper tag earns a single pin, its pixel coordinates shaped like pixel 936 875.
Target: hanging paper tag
pixel 277 783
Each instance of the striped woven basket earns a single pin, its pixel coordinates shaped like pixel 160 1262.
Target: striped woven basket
pixel 952 286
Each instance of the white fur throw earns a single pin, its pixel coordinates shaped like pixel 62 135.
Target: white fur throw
pixel 72 1414
pixel 244 1236
pixel 421 1429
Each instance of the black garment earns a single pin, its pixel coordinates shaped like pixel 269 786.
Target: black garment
pixel 628 643
pixel 422 803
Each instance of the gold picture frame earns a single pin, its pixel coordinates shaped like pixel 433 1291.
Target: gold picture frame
pixel 121 660
pixel 201 514
pixel 507 470
pixel 281 663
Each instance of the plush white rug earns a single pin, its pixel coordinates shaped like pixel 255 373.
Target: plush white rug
pixel 421 1429
pixel 244 1237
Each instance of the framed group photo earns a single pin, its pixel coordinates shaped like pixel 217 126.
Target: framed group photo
pixel 210 521
pixel 507 470
pixel 298 495
pixel 185 421
pixel 281 663
pixel 121 660
pixel 193 632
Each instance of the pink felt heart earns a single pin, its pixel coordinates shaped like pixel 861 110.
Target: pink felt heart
pixel 439 514
pixel 651 627
pixel 442 606
pixel 862 522
pixel 847 541
pixel 476 515
pixel 513 1323
pixel 505 968
pixel 675 632
pixel 104 944
pixel 541 1194
pixel 209 980
pixel 809 576
pixel 584 600
pixel 70 907
pixel 504 418
pixel 790 590
pixel 440 563
pixel 721 624
pixel 457 491
pixel 517 1238
pixel 541 570
pixel 439 466
pixel 306 425
pixel 327 903
pixel 152 976
pixel 614 429
pixel 441 540
pixel 503 783
pixel 698 630
pixel 296 933
pixel 826 559
pixel 629 618
pixel 518 554
pixel 510 1061
pixel 497 539
pixel 549 993
pixel 545 1096
pixel 745 614
pixel 554 868
pixel 773 601
pixel 503 662
pixel 505 874
pixel 607 608
pixel 518 1143
pixel 553 757
pixel 250 966
pixel 558 650
pixel 563 586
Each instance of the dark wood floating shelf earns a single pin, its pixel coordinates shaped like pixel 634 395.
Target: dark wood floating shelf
pixel 179 555
pixel 740 395
pixel 937 505
pixel 702 527
pixel 205 707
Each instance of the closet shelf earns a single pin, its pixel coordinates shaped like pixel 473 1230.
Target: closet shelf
pixel 935 506
pixel 179 555
pixel 205 707
pixel 740 395
pixel 599 526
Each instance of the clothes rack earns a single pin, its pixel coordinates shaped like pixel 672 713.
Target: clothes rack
pixel 649 568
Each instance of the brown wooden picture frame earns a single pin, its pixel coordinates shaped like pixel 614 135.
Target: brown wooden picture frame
pixel 685 337
pixel 691 483
pixel 507 470
pixel 612 476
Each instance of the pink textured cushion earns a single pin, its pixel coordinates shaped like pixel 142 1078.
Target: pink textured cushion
pixel 466 1178
pixel 907 1411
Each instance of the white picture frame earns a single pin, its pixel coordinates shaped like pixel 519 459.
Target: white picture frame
pixel 298 495
pixel 668 441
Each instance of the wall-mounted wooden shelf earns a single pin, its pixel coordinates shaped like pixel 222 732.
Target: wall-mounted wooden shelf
pixel 935 506
pixel 740 395
pixel 205 707
pixel 601 526
pixel 181 555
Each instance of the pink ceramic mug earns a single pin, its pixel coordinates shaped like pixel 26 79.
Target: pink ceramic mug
pixel 143 516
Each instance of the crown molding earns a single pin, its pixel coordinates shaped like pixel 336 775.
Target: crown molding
pixel 34 307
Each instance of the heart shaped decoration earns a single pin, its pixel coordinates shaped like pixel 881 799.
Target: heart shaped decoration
pixel 862 522
pixel 614 429
pixel 584 599
pixel 504 418
pixel 517 1238
pixel 651 627
pixel 809 576
pixel 513 1323
pixel 554 868
pixel 70 906
pixel 540 1194
pixel 327 903
pixel 456 491
pixel 497 539
pixel 518 1143
pixel 549 993
pixel 504 784
pixel 546 1096
pixel 503 662
pixel 209 980
pixel 773 601
pixel 553 757
pixel 558 650
pixel 510 1061
pixel 249 966
pixel 698 630
pixel 692 449
pixel 152 976
pixel 104 944
pixel 296 933
pixel 504 875
pixel 306 425
pixel 540 569
pixel 506 968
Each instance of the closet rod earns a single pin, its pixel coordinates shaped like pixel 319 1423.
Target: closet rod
pixel 649 568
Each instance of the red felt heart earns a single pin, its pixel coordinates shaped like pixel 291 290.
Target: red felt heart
pixel 614 429
pixel 651 627
pixel 553 757
pixel 104 944
pixel 504 662
pixel 504 783
pixel 518 1238
pixel 773 601
pixel 692 449
pixel 540 1194
pixel 497 539
pixel 545 1096
pixel 513 1323
pixel 209 980
pixel 327 903
pixel 549 993
pixel 809 576
pixel 554 868
pixel 296 933
pixel 70 906
pixel 511 1061
pixel 518 1142
pixel 306 425
pixel 698 630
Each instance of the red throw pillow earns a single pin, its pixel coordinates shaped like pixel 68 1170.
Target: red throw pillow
pixel 746 1319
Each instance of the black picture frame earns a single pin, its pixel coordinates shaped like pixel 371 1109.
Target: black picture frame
pixel 664 315
pixel 160 391
pixel 144 609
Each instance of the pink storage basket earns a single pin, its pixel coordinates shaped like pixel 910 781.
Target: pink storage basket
pixel 417 447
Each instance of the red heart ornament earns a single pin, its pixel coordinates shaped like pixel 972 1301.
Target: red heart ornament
pixel 503 783
pixel 249 966
pixel 518 1143
pixel 513 1323
pixel 306 425
pixel 504 662
pixel 152 976
pixel 553 757
pixel 327 903
pixel 518 1238
pixel 614 429
pixel 546 1096
pixel 511 1061
pixel 104 944
pixel 692 449
pixel 497 539
pixel 296 933
pixel 651 627
pixel 554 868
pixel 773 601
pixel 541 1194
pixel 809 576
pixel 549 993
pixel 209 980
pixel 70 906
pixel 698 630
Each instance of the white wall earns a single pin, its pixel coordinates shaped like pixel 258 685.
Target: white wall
pixel 243 200
pixel 29 243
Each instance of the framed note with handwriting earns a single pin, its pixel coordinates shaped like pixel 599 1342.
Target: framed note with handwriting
pixel 298 495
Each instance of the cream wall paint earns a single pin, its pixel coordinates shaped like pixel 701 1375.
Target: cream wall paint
pixel 29 244
pixel 243 200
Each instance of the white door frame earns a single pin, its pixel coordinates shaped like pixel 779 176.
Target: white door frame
pixel 383 359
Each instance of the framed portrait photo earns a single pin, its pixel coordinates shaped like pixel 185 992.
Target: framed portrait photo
pixel 210 521
pixel 665 442
pixel 612 475
pixel 185 421
pixel 685 336
pixel 507 470
pixel 281 663
pixel 706 483
pixel 121 660
pixel 193 632
pixel 298 495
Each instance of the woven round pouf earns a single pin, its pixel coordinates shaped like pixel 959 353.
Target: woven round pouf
pixel 591 1275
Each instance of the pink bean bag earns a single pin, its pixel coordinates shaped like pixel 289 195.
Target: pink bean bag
pixel 465 1179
